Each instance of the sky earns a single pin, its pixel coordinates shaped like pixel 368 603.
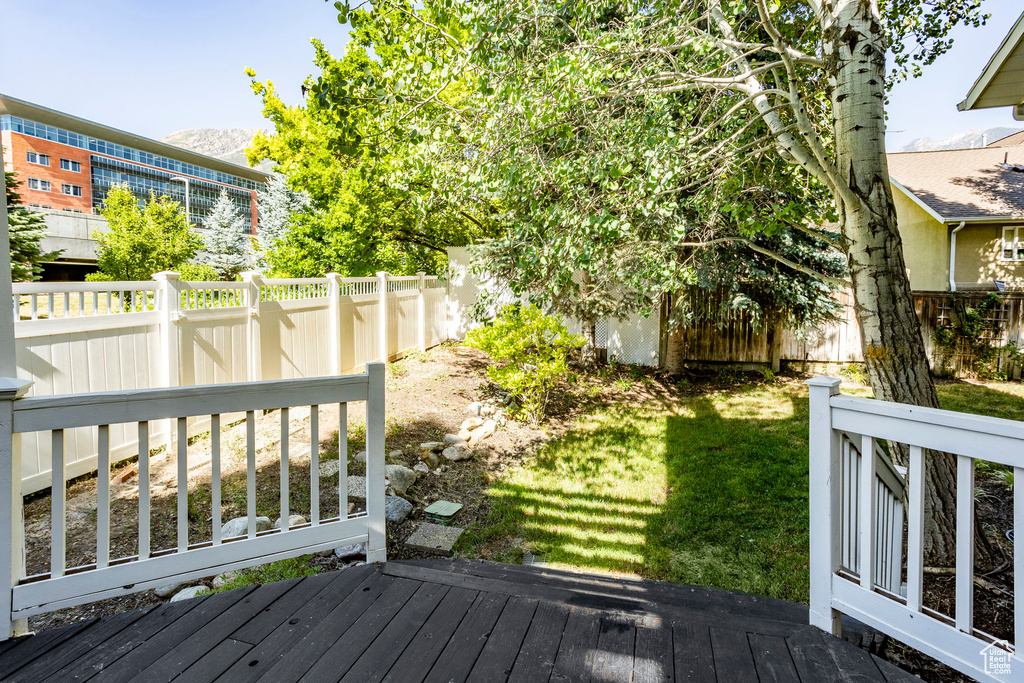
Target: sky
pixel 154 68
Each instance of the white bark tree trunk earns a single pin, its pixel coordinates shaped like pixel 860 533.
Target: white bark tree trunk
pixel 893 347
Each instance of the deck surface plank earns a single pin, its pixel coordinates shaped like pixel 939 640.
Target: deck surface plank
pixel 437 621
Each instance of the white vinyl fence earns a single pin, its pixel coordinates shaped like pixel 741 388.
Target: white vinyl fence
pixel 846 538
pixel 73 338
pixel 54 418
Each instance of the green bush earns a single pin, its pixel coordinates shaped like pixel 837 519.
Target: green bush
pixel 530 351
pixel 198 272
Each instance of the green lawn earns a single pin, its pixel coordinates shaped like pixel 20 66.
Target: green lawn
pixel 710 490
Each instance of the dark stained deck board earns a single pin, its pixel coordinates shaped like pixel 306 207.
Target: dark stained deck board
pixel 772 660
pixel 653 661
pixel 269 647
pixel 450 620
pixel 575 659
pixel 499 654
pixel 461 652
pixel 537 654
pixel 416 660
pixel 377 660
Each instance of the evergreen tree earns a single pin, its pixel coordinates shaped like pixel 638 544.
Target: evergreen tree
pixel 276 207
pixel 227 247
pixel 27 229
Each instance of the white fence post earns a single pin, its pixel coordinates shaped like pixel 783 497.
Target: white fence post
pixel 253 297
pixel 825 531
pixel 170 343
pixel 334 313
pixel 376 546
pixel 382 291
pixel 421 308
pixel 12 523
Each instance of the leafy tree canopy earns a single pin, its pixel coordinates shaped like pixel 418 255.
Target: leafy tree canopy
pixel 371 207
pixel 143 240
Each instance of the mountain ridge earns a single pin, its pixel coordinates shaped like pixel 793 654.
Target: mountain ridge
pixel 227 144
pixel 968 139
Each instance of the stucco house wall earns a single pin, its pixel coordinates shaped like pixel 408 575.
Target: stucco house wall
pixel 978 259
pixel 925 245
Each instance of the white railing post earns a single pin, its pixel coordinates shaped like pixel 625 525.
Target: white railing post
pixel 170 342
pixel 12 520
pixel 253 298
pixel 334 314
pixel 421 308
pixel 376 546
pixel 825 521
pixel 382 291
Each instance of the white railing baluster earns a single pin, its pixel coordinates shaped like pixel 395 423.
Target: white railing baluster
pixel 342 460
pixel 144 534
pixel 49 306
pixel 250 471
pixel 1018 559
pixel 81 303
pixel 867 511
pixel 58 515
pixel 314 464
pixel 915 530
pixel 102 496
pixel 66 313
pixel 964 543
pixel 284 469
pixel 182 484
pixel 215 476
pixel 95 303
pixel 110 299
pixel 34 303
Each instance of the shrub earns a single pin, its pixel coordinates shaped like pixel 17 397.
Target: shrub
pixel 530 351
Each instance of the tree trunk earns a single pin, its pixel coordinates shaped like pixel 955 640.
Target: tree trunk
pixel 892 343
pixel 588 355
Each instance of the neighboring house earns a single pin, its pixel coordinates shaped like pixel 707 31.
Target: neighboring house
pixel 961 216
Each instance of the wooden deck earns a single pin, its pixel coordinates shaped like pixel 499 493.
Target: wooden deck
pixel 450 620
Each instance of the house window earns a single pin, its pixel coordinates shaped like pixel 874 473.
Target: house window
pixel 69 165
pixel 37 184
pixel 73 190
pixel 1013 244
pixel 38 159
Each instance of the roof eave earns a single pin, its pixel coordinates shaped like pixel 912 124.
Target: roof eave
pixel 917 200
pixel 992 68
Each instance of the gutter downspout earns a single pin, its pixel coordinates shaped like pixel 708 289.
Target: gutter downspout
pixel 952 255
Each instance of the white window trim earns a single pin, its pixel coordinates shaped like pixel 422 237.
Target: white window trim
pixel 37 156
pixel 1017 242
pixel 65 187
pixel 39 185
pixel 71 167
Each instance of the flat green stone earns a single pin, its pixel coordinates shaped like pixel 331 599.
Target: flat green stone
pixel 443 509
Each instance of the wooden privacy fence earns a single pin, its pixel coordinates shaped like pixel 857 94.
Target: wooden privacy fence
pixel 740 340
pixel 855 582
pixel 117 336
pixel 54 418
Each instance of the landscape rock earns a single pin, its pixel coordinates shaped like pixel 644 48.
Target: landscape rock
pixel 452 438
pixel 475 408
pixel 488 411
pixel 465 435
pixel 224 579
pixel 396 509
pixel 357 489
pixel 329 468
pixel 483 431
pixel 422 467
pixel 430 458
pixel 434 538
pixel 293 521
pixel 170 589
pixel 395 454
pixel 432 446
pixel 361 456
pixel 458 452
pixel 192 592
pixel 239 526
pixel 350 551
pixel 400 478
pixel 471 423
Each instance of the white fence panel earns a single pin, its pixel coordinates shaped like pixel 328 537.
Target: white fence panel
pixel 88 337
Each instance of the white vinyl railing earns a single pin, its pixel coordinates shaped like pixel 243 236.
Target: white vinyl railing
pixel 108 576
pixel 839 583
